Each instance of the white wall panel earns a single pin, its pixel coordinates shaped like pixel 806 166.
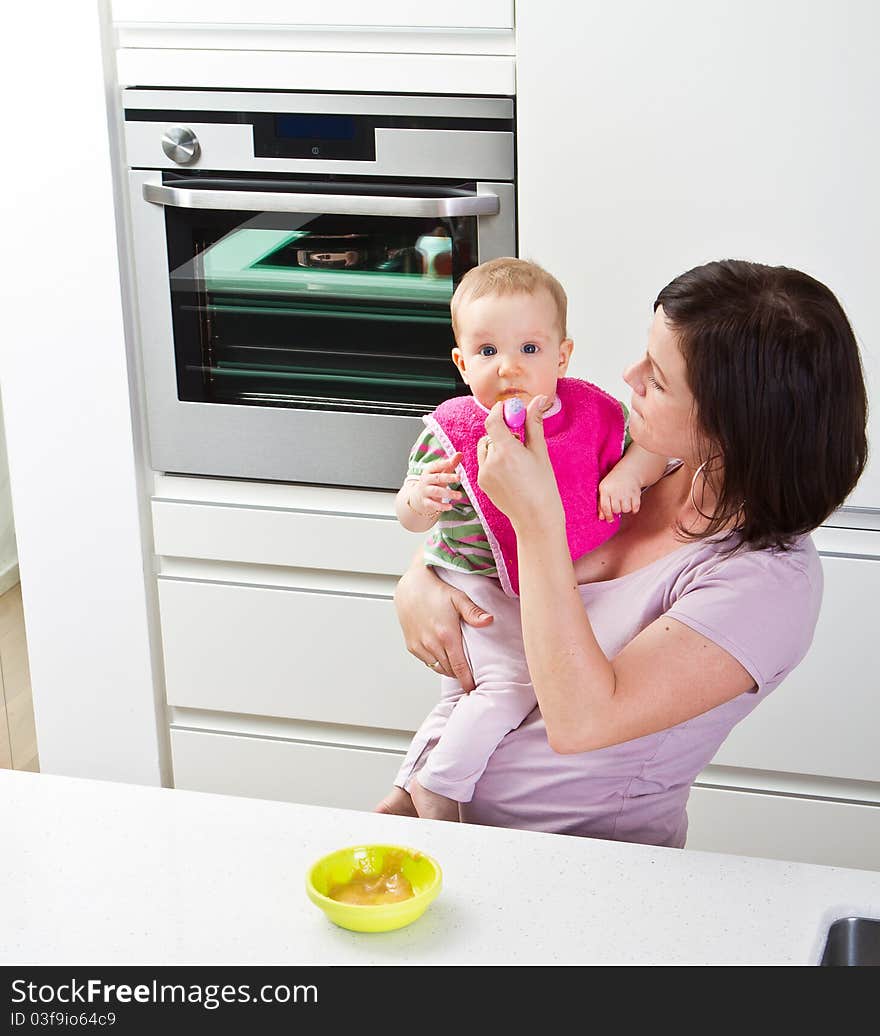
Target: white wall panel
pixel 655 137
pixel 69 427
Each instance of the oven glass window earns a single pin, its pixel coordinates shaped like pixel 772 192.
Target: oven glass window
pixel 327 311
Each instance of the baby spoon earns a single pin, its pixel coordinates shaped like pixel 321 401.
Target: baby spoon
pixel 515 415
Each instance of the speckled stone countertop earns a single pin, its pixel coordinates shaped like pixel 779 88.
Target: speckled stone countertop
pixel 98 873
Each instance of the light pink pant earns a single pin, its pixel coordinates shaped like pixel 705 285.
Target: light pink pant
pixel 469 726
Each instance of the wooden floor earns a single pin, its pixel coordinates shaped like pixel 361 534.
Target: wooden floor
pixel 18 736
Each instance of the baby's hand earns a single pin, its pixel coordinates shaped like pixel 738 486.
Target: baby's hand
pixel 430 493
pixel 619 493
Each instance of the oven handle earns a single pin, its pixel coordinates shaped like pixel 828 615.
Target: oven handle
pixel 323 204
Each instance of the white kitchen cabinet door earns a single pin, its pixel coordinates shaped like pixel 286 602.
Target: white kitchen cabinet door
pixel 297 539
pixel 348 71
pixel 653 137
pixel 321 657
pixel 824 719
pixel 292 771
pixel 742 823
pixel 274 496
pixel 784 827
pixel 452 13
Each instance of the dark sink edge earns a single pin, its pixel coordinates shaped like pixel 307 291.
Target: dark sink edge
pixel 836 912
pixel 852 940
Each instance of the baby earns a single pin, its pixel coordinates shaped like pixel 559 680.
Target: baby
pixel 509 321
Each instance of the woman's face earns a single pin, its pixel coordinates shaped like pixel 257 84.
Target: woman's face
pixel 662 417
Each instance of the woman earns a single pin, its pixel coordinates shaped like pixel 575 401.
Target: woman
pixel 647 651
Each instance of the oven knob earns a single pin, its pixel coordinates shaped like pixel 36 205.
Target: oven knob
pixel 181 145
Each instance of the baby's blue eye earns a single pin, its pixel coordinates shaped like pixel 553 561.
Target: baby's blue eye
pixel 530 348
pixel 487 350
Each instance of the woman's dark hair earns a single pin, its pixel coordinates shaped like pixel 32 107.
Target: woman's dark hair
pixel 779 391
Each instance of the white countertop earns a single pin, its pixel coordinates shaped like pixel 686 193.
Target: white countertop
pixel 96 872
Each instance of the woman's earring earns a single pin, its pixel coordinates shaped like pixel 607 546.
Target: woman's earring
pixel 693 483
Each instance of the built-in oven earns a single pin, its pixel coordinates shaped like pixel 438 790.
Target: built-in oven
pixel 295 255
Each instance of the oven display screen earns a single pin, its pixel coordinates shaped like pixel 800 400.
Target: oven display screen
pixel 315 127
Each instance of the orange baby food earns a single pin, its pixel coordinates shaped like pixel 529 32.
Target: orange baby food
pixel 365 888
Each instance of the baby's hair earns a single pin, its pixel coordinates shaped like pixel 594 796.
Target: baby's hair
pixel 509 276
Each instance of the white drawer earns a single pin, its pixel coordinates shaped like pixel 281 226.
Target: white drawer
pixel 265 768
pixel 322 657
pixel 383 14
pixel 784 827
pixel 825 718
pixel 298 539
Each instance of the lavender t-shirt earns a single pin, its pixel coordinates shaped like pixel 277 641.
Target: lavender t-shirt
pixel 760 606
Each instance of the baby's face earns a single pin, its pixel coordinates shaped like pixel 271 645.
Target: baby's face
pixel 511 345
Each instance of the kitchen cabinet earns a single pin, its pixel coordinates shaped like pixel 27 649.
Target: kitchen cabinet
pixel 823 719
pixel 391 47
pixel 345 71
pixel 291 537
pixel 472 14
pixel 784 827
pixel 636 160
pixel 343 777
pixel 263 689
pixel 300 654
pixel 285 671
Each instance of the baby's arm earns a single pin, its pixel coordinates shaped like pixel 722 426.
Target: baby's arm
pixel 621 490
pixel 423 498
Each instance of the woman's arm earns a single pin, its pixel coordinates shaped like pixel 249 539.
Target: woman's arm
pixel 665 675
pixel 430 613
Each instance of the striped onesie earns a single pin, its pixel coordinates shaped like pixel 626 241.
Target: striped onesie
pixel 458 540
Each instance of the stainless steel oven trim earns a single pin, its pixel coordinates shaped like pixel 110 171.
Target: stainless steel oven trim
pixel 337 204
pixel 496 235
pixel 293 445
pixel 337 104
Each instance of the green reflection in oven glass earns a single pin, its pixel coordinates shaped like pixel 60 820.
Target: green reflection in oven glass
pixel 360 377
pixel 230 265
pixel 375 313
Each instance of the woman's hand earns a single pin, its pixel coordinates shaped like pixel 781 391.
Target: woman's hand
pixel 430 613
pixel 517 476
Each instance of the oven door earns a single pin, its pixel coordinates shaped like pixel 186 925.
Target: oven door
pixel 295 329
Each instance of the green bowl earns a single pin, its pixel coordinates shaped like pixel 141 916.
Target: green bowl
pixel 422 872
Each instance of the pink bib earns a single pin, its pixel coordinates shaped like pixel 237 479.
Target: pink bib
pixel 584 440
